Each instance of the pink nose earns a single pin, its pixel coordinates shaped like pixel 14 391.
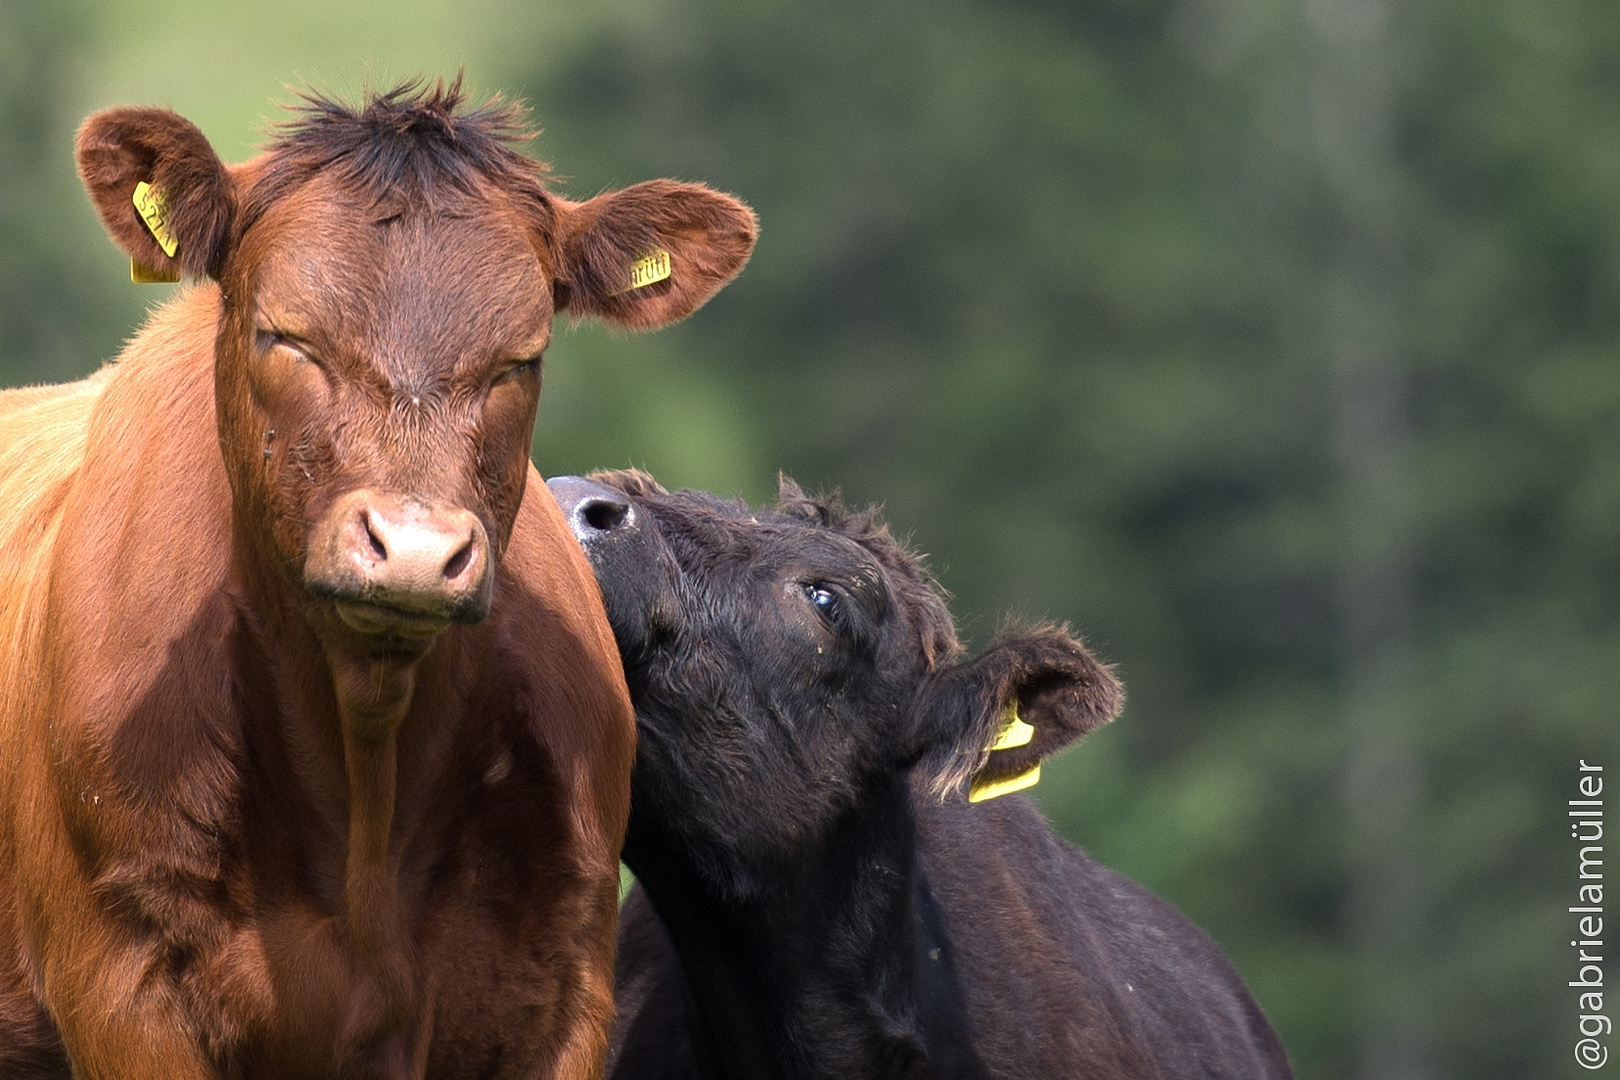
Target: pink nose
pixel 394 562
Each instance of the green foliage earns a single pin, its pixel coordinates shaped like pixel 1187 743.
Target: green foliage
pixel 1269 343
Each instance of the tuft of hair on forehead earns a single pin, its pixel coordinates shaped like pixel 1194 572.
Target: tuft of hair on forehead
pixel 914 584
pixel 405 148
pixel 633 482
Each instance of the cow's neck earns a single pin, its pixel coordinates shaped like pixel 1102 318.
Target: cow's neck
pixel 349 767
pixel 374 697
pixel 837 965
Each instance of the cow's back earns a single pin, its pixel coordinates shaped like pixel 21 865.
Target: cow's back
pixel 1064 961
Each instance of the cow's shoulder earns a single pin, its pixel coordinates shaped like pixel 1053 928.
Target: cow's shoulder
pixel 146 530
pixel 130 670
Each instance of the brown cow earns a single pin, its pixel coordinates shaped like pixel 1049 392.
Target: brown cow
pixel 316 747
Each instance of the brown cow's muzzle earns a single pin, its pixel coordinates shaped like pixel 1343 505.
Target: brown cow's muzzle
pixel 399 567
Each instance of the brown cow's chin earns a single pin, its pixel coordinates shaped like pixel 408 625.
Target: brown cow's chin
pixel 380 620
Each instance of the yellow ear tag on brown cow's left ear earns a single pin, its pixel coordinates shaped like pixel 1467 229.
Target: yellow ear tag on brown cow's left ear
pixel 153 206
pixel 649 270
pixel 1013 734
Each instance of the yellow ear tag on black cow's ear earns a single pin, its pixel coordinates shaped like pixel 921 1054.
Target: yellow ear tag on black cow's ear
pixel 153 206
pixel 1014 733
pixel 992 789
pixel 649 270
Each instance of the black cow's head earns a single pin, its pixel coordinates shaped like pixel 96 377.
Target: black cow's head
pixel 781 660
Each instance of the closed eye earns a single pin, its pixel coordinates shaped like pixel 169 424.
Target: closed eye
pixel 270 339
pixel 523 369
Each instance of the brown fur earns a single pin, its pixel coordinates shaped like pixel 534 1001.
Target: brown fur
pixel 248 837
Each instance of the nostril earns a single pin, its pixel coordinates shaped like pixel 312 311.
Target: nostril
pixel 458 562
pixel 603 515
pixel 378 548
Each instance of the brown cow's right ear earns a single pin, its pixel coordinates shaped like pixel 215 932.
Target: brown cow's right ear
pixel 120 148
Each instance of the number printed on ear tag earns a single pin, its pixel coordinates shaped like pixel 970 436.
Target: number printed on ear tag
pixel 153 206
pixel 649 269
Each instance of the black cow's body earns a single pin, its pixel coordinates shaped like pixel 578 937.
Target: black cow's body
pixel 820 899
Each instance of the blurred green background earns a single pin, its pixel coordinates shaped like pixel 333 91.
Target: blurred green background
pixel 1270 343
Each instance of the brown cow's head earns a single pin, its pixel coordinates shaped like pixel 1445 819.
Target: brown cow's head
pixel 389 276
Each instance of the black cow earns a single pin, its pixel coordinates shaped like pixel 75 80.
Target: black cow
pixel 820 898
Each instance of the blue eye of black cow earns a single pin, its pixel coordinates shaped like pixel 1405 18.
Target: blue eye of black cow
pixel 825 601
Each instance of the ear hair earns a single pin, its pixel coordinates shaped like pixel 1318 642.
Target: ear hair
pixel 792 500
pixel 118 148
pixel 788 489
pixel 1060 689
pixel 708 236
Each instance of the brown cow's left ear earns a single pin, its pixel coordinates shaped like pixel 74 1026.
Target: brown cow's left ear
pixel 993 718
pixel 185 205
pixel 650 254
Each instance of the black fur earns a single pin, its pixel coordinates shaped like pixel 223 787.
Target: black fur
pixel 820 898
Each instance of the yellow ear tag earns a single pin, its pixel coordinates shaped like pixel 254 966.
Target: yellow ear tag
pixel 990 789
pixel 649 270
pixel 154 209
pixel 1014 732
pixel 141 274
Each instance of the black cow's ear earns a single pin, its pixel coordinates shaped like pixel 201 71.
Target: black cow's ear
pixel 650 254
pixel 160 189
pixel 993 718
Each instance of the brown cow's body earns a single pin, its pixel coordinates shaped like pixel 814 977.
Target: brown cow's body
pixel 199 738
pixel 264 821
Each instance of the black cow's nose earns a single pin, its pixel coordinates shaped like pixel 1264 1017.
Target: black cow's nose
pixel 591 509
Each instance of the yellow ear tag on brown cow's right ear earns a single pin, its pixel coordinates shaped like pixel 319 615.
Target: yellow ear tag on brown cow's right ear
pixel 649 270
pixel 153 206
